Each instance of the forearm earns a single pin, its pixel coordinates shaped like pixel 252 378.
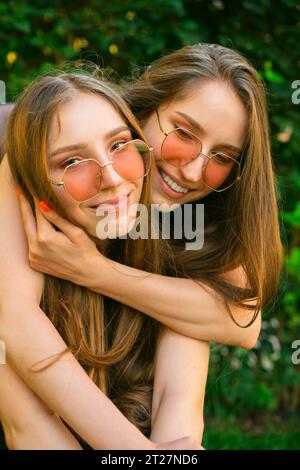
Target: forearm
pixel 190 309
pixel 47 434
pixel 64 387
pixel 27 422
pixel 178 417
pixel 181 367
pixel 43 431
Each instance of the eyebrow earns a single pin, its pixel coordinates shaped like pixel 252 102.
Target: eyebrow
pixel 71 148
pixel 199 128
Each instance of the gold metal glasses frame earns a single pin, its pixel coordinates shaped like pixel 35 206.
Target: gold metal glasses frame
pixel 102 165
pixel 209 157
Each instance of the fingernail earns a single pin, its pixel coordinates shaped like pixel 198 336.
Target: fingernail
pixel 19 191
pixel 45 206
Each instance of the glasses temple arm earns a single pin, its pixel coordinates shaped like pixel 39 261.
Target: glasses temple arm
pixel 159 123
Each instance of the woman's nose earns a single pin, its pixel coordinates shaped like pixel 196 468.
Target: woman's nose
pixel 110 177
pixel 192 172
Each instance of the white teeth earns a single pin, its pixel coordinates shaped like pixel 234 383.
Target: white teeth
pixel 172 184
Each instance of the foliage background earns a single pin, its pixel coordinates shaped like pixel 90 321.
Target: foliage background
pixel 253 397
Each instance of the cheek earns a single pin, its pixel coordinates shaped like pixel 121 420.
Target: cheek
pixel 138 191
pixel 67 203
pixel 200 195
pixel 76 213
pixel 157 150
pixel 215 180
pixel 72 209
pixel 155 140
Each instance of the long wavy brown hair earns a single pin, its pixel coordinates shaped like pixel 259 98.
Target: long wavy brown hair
pixel 241 223
pixel 113 342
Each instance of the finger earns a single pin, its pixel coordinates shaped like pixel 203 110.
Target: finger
pixel 71 231
pixel 44 227
pixel 28 218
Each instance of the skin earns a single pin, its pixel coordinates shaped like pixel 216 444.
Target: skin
pixel 22 324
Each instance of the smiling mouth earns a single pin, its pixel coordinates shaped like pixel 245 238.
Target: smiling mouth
pixel 112 204
pixel 173 185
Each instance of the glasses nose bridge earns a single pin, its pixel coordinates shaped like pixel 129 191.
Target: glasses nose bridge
pixel 109 177
pixel 200 153
pixel 196 161
pixel 102 157
pixel 201 150
pixel 103 165
pixel 203 154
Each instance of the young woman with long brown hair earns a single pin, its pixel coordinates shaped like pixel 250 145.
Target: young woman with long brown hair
pixel 114 343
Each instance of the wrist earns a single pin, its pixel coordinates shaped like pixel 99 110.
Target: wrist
pixel 87 273
pixel 98 274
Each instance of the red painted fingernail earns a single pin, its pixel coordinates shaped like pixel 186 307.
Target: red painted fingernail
pixel 19 191
pixel 45 206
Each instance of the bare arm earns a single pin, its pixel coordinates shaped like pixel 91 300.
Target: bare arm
pixel 181 368
pixel 30 337
pixel 191 309
pixel 27 422
pixel 66 389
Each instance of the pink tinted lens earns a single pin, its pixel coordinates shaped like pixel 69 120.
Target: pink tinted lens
pixel 220 172
pixel 132 160
pixel 82 180
pixel 180 147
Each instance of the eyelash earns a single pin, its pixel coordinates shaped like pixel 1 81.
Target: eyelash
pixel 121 142
pixel 223 157
pixel 183 134
pixel 71 160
